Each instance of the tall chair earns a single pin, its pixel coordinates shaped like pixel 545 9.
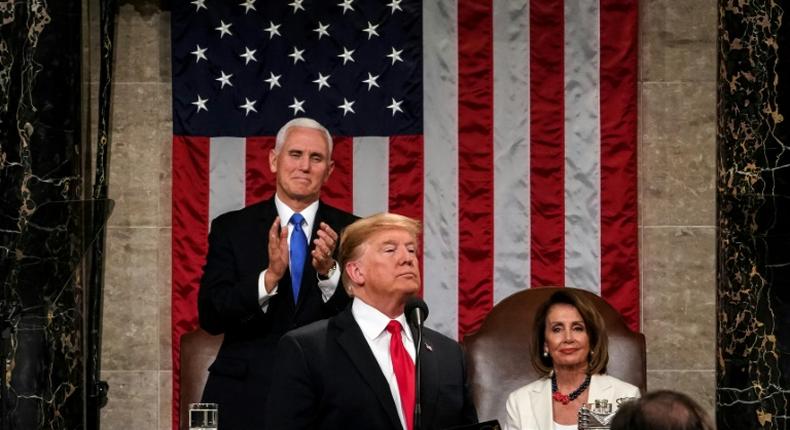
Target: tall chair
pixel 498 353
pixel 198 351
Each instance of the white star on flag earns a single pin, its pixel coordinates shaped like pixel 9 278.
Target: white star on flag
pixel 273 30
pixel 198 4
pixel 394 5
pixel 346 106
pixel 371 81
pixel 224 29
pixel 371 30
pixel 199 53
pixel 395 106
pixel 395 55
pixel 273 81
pixel 346 55
pixel 249 106
pixel 321 30
pixel 297 55
pixel 247 5
pixel 322 81
pixel 248 55
pixel 346 5
pixel 200 103
pixel 297 106
pixel 296 4
pixel 224 79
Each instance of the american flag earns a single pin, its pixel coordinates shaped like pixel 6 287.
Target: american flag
pixel 507 126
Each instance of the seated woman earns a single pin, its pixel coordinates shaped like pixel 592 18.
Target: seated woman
pixel 570 350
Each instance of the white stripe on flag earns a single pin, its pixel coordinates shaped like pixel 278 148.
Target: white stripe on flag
pixel 511 148
pixel 582 146
pixel 227 185
pixel 371 181
pixel 440 123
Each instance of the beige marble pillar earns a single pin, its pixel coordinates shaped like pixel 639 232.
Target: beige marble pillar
pixel 136 343
pixel 677 194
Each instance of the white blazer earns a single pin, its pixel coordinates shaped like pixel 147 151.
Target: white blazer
pixel 530 407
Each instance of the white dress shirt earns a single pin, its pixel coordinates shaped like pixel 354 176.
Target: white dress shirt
pixel 285 213
pixel 373 324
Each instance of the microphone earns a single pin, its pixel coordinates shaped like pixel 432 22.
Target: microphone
pixel 416 312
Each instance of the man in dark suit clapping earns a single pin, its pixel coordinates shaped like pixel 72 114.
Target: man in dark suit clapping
pixel 356 370
pixel 270 268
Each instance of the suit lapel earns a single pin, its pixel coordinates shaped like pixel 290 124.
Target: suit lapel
pixel 540 398
pixel 600 388
pixel 262 217
pixel 266 211
pixel 319 216
pixel 356 347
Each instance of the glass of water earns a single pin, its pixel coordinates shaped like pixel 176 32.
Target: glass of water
pixel 203 416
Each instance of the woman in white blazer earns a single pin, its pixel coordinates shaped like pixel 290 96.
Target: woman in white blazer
pixel 570 351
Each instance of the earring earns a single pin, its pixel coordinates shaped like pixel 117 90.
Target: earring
pixel 545 353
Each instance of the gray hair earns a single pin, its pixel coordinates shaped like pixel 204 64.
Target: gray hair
pixel 301 122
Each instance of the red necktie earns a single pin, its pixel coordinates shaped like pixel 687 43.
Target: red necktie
pixel 403 366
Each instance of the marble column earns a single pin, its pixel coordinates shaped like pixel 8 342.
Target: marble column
pixel 41 157
pixel 753 207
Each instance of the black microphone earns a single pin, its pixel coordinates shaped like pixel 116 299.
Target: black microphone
pixel 416 312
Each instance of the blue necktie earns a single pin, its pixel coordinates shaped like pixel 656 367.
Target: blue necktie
pixel 298 253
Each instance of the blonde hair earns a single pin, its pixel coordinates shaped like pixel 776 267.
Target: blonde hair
pixel 355 235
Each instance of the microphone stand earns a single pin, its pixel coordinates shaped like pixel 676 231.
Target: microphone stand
pixel 417 372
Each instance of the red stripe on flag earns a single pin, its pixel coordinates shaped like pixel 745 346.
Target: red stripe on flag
pixel 619 222
pixel 189 242
pixel 406 177
pixel 339 189
pixel 475 163
pixel 547 143
pixel 260 181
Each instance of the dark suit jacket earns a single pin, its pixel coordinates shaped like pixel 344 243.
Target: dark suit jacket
pixel 228 303
pixel 326 377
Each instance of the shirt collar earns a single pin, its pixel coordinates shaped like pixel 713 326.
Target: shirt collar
pixel 373 323
pixel 285 213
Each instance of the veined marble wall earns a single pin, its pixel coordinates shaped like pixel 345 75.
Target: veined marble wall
pixel 41 150
pixel 753 355
pixel 677 205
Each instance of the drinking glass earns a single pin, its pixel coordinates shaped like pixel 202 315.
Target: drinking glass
pixel 203 416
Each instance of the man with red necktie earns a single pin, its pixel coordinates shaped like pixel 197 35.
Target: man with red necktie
pixel 356 370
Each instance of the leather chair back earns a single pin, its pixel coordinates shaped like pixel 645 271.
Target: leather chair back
pixel 198 351
pixel 498 353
